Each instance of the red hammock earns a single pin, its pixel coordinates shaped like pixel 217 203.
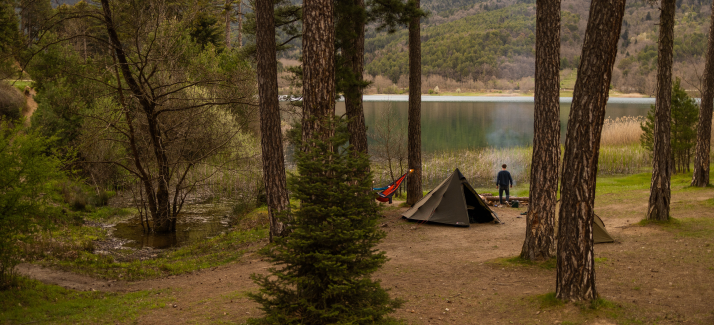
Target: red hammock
pixel 386 195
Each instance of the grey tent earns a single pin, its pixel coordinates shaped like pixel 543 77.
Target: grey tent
pixel 600 235
pixel 453 202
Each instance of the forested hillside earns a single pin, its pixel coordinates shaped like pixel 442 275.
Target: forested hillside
pixel 474 40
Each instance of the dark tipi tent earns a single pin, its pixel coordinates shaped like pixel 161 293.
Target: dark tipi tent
pixel 453 202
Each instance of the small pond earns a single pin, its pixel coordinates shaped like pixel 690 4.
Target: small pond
pixel 196 222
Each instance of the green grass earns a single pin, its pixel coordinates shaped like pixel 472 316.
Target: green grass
pixel 685 227
pixel 20 84
pixel 107 213
pixel 34 302
pixel 517 261
pixel 207 253
pixel 548 300
pixel 597 304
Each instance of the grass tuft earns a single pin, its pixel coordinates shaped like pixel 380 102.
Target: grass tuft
pixel 549 300
pixel 548 264
pixel 597 304
pixel 34 302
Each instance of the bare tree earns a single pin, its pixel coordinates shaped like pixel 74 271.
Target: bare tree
pixel 660 191
pixel 414 192
pixel 701 161
pixel 175 111
pixel 270 130
pixel 540 222
pixel 389 142
pixel 318 44
pixel 575 279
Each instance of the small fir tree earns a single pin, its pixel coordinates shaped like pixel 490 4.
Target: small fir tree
pixel 323 267
pixel 685 114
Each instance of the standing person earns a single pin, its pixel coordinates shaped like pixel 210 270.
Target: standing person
pixel 503 181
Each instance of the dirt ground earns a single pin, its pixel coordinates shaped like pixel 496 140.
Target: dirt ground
pixel 31 106
pixel 458 275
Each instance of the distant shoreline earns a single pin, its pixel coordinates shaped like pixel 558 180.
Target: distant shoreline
pixel 498 99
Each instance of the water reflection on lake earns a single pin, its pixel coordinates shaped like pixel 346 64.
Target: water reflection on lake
pixel 451 125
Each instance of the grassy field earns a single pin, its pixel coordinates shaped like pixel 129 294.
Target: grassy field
pixel 34 302
pixel 618 198
pixel 20 84
pixel 73 248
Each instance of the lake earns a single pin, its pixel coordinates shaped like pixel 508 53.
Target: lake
pixel 451 123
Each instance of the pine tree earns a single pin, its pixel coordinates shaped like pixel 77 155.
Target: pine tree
pixel 660 188
pixel 323 267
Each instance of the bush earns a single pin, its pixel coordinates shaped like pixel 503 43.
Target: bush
pixel 27 173
pixel 11 101
pixel 329 255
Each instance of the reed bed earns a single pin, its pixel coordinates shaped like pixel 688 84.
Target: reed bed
pixel 480 166
pixel 623 160
pixel 622 131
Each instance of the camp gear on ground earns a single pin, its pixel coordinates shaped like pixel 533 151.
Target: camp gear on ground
pixel 514 204
pixel 453 202
pixel 389 190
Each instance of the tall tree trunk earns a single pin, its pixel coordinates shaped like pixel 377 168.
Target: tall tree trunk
pixel 575 278
pixel 660 192
pixel 270 131
pixel 228 9
pixel 353 95
pixel 414 192
pixel 704 129
pixel 540 222
pixel 240 23
pixel 318 48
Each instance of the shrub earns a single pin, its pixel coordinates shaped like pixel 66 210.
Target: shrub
pixel 11 101
pixel 27 173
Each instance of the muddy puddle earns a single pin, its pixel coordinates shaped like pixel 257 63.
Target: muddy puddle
pixel 195 223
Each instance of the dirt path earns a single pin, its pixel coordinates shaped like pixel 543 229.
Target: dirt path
pixel 453 275
pixel 31 106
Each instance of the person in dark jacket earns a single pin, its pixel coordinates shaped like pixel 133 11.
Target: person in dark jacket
pixel 503 181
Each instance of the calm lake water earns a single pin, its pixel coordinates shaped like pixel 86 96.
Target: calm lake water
pixel 452 123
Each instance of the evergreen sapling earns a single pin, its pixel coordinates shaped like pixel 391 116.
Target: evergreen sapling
pixel 323 267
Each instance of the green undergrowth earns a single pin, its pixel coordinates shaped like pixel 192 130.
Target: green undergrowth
pixel 34 302
pixel 588 310
pixel 20 84
pixel 517 261
pixel 203 254
pixel 684 227
pixel 74 237
pixel 548 301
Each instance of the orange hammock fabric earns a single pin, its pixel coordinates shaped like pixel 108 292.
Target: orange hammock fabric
pixel 386 195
